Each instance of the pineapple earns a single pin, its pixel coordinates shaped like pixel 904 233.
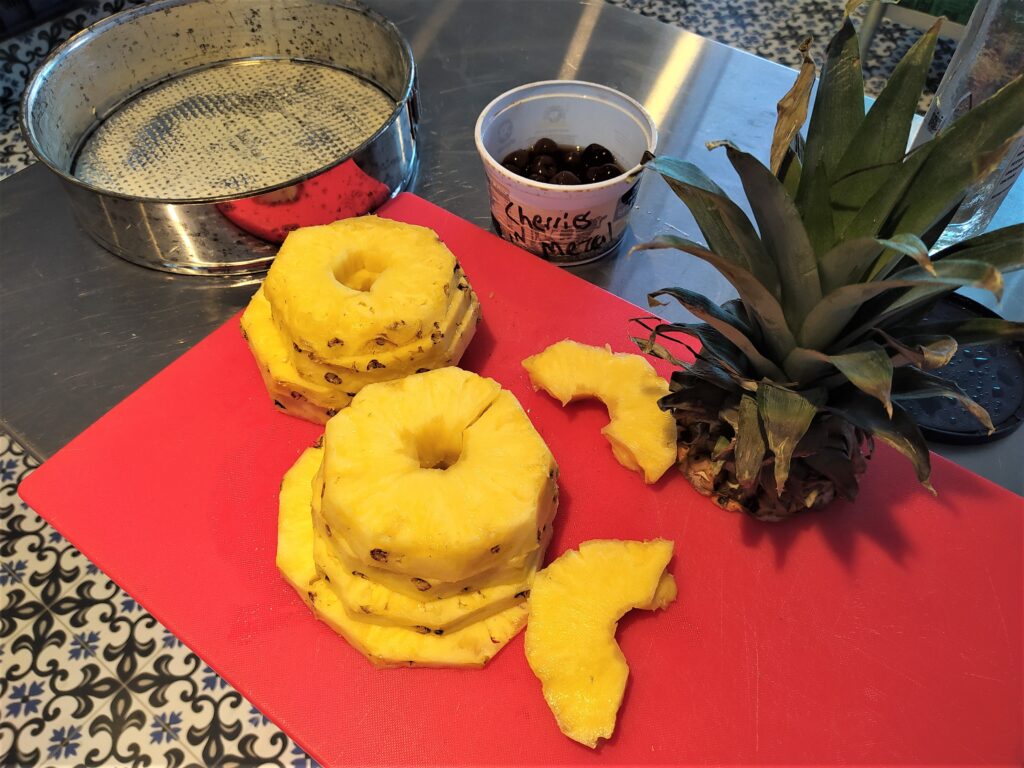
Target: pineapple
pixel 354 303
pixel 575 606
pixel 643 437
pixel 374 603
pixel 508 571
pixel 433 350
pixel 339 288
pixel 294 524
pixel 471 646
pixel 308 400
pixel 437 476
pixel 795 379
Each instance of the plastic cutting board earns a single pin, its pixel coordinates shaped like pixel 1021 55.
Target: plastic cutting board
pixel 885 631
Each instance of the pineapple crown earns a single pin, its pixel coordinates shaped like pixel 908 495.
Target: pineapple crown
pixel 835 279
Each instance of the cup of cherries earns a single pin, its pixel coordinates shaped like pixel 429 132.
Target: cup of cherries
pixel 563 159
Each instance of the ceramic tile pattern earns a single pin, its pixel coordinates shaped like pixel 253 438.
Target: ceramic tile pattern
pixel 89 678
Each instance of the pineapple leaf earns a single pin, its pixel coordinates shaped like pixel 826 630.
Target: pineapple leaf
pixel 913 384
pixel 750 445
pixel 871 218
pixel 782 233
pixel 789 172
pixel 725 226
pixel 792 111
pixel 815 206
pixel 827 319
pixel 881 141
pixel 953 165
pixel 838 110
pixel 977 330
pixel 898 246
pixel 868 367
pixel 786 415
pixel 899 431
pixel 715 348
pixel 928 354
pixel 1001 250
pixel 850 260
pixel 728 325
pixel 758 300
pixel 1004 243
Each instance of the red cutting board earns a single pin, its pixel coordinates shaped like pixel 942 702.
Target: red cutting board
pixel 886 631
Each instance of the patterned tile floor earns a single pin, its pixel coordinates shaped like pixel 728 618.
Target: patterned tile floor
pixel 91 679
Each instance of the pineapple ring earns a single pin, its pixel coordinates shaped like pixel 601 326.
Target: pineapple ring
pixel 372 603
pixel 292 394
pixel 440 475
pixel 576 603
pixel 318 401
pixel 642 436
pixel 472 646
pixel 509 572
pixel 356 372
pixel 336 289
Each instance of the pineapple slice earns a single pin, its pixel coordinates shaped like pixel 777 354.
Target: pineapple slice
pixel 338 289
pixel 575 604
pixel 318 399
pixel 643 437
pixel 510 571
pixel 440 476
pixel 312 401
pixel 373 603
pixel 471 646
pixel 391 362
pixel 295 525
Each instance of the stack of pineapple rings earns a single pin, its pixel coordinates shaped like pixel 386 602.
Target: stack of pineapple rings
pixel 416 529
pixel 353 303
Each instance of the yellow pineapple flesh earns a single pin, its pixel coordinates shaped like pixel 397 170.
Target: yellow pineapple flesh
pixel 336 289
pixel 642 436
pixel 575 605
pixel 431 349
pixel 470 646
pixel 438 476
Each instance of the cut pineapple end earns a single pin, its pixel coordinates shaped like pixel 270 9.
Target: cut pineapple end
pixel 470 646
pixel 575 605
pixel 642 436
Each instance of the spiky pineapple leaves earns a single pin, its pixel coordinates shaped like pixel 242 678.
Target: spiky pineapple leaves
pixel 786 415
pixel 898 431
pixel 757 298
pixel 750 445
pixel 881 140
pixel 792 114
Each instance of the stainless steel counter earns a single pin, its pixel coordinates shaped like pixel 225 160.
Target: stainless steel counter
pixel 81 329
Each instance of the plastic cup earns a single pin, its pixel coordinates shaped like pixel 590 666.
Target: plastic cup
pixel 563 224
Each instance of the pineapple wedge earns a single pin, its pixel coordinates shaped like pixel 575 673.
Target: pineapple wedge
pixel 339 288
pixel 642 436
pixel 575 605
pixel 440 476
pixel 472 646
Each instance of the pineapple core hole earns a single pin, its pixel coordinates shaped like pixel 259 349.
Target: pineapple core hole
pixel 435 451
pixel 356 274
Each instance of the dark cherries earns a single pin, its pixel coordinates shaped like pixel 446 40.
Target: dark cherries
pixel 548 162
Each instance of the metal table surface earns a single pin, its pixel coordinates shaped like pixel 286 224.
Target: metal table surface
pixel 81 329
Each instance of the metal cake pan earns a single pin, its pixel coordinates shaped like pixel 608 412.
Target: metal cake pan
pixel 192 135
